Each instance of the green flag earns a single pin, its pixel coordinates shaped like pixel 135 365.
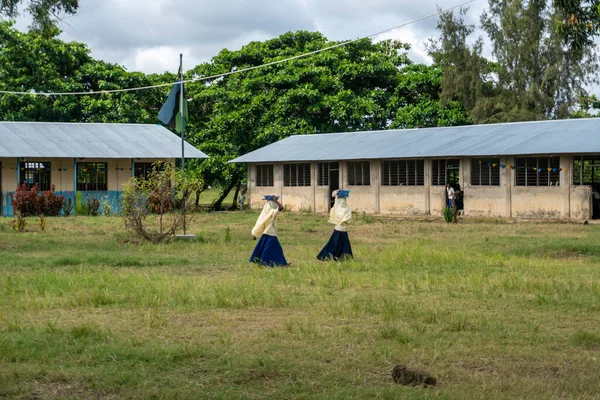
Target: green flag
pixel 170 113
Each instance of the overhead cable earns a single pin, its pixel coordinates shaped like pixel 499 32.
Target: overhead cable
pixel 238 71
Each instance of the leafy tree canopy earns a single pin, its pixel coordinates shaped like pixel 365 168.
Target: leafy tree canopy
pixel 578 21
pixel 45 13
pixel 361 86
pixel 35 62
pixel 536 74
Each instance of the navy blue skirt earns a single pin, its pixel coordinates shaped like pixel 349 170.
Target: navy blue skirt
pixel 268 252
pixel 338 247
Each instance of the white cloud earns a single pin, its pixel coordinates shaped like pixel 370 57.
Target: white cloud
pixel 148 35
pixel 418 51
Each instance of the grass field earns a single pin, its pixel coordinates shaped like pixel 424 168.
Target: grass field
pixel 494 310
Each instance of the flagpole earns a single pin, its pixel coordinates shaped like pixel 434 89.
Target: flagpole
pixel 182 134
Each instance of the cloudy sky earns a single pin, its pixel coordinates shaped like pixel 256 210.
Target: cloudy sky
pixel 148 35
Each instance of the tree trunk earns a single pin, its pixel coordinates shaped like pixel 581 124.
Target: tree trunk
pixel 197 201
pixel 219 202
pixel 234 203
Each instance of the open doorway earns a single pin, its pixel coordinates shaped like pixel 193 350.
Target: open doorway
pixel 447 171
pixel 329 176
pixel 453 178
pixel 586 171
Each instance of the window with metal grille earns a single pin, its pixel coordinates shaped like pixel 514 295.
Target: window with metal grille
pixel 323 172
pixel 359 173
pixel 538 171
pixel 92 176
pixel 144 169
pixel 485 172
pixel 296 174
pixel 32 172
pixel 403 173
pixel 586 170
pixel 264 175
pixel 444 171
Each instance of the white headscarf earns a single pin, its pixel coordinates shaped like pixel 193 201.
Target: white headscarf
pixel 265 225
pixel 340 214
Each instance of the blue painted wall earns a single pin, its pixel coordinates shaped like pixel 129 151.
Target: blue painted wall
pixel 112 196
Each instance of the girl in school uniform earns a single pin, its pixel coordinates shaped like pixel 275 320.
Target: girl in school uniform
pixel 338 247
pixel 268 251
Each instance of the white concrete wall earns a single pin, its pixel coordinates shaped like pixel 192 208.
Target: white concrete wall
pixel 506 200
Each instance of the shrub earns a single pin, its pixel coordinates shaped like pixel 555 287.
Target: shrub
pixel 106 206
pixel 450 215
pixel 51 204
pixel 67 207
pixel 81 207
pixel 92 206
pixel 137 206
pixel 26 202
pixel 19 222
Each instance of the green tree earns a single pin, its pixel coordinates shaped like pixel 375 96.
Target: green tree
pixel 541 77
pixel 45 13
pixel 535 75
pixel 578 21
pixel 349 88
pixel 467 77
pixel 32 62
pixel 417 100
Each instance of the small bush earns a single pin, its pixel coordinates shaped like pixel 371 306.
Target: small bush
pixel 26 202
pixel 19 222
pixel 106 206
pixel 450 215
pixel 42 222
pixel 50 204
pixel 227 236
pixel 93 206
pixel 67 208
pixel 81 207
pixel 137 206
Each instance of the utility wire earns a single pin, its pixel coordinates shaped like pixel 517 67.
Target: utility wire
pixel 239 71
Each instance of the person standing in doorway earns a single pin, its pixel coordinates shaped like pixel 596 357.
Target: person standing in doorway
pixel 268 251
pixel 338 248
pixel 451 195
pixel 242 199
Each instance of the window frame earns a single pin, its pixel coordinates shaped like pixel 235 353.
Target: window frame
pixel 594 163
pixel 261 175
pixel 34 168
pixel 97 186
pixel 489 167
pixel 443 173
pixel 353 174
pixel 323 169
pixel 297 175
pixel 528 172
pixel 146 168
pixel 403 172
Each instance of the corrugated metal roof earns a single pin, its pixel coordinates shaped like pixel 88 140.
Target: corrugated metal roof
pixel 78 140
pixel 519 138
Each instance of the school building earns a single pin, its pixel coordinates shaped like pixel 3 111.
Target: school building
pixel 95 159
pixel 544 169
